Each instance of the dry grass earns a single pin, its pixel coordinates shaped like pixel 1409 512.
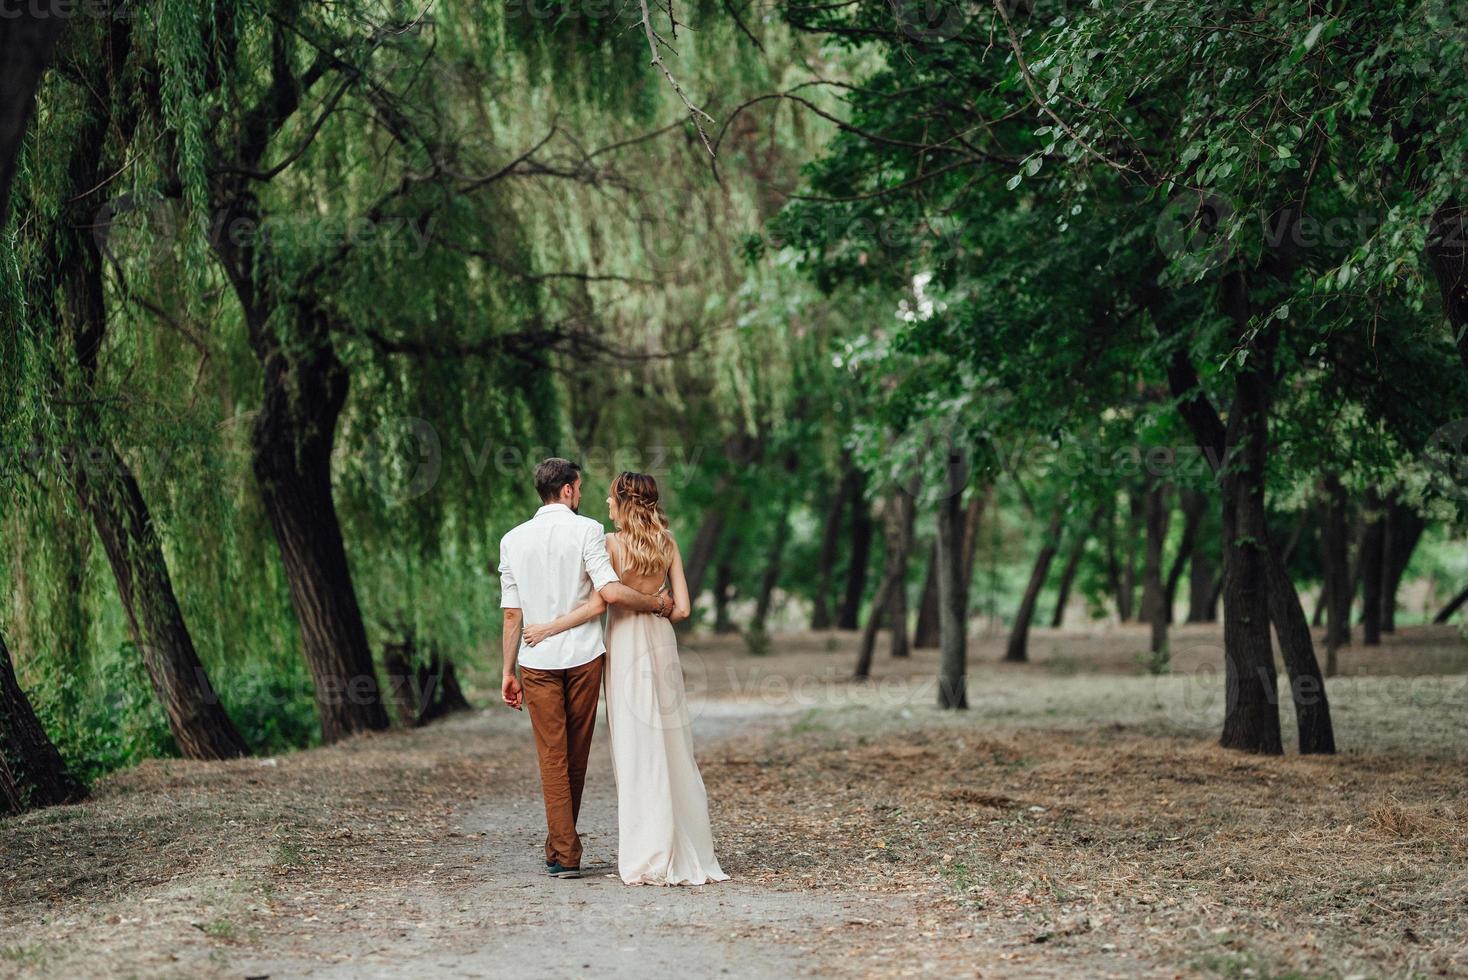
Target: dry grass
pixel 1176 853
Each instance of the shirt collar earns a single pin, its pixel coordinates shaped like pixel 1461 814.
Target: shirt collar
pixel 552 508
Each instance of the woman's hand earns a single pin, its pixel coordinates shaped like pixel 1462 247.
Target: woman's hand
pixel 541 631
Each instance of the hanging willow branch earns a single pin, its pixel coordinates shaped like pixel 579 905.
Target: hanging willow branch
pixel 655 43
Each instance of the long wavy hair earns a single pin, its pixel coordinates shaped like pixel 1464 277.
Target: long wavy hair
pixel 646 541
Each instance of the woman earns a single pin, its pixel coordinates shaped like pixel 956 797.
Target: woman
pixel 662 808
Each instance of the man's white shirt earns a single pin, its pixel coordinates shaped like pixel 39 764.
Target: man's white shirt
pixel 548 566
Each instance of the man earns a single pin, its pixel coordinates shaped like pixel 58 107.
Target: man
pixel 549 566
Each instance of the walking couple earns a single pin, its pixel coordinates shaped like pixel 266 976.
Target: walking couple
pixel 559 572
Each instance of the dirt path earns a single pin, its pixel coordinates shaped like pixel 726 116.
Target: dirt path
pixel 509 919
pixel 462 894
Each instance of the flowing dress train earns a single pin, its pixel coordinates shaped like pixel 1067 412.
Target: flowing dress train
pixel 662 807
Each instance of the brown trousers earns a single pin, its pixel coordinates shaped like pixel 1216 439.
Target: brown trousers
pixel 562 707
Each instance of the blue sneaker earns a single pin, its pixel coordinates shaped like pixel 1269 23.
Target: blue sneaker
pixel 556 870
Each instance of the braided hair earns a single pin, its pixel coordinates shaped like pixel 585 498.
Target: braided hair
pixel 646 540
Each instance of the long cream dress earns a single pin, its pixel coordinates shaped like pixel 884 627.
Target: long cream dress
pixel 662 808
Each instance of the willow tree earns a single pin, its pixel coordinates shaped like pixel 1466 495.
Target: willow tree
pixel 62 332
pixel 284 119
pixel 27 39
pixel 32 772
pixel 289 85
pixel 94 120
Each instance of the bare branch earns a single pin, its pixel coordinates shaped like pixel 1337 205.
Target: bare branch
pixel 653 40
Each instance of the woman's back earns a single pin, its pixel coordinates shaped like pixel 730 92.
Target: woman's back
pixel 641 581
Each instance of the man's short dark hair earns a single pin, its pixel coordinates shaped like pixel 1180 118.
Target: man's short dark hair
pixel 553 474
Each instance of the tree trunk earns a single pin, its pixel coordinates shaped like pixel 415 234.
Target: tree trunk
pixel 1126 603
pixel 27 39
pixel 1202 588
pixel 1404 527
pixel 705 544
pixel 1337 571
pixel 723 593
pixel 1019 634
pixel 32 773
pixel 899 554
pixel 1447 253
pixel 1307 686
pixel 898 514
pixel 200 726
pixel 821 614
pixel 861 551
pixel 109 492
pixel 1249 723
pixel 1446 612
pixel 305 389
pixel 1067 579
pixel 973 519
pixel 867 648
pixel 1154 591
pixel 1194 504
pixel 422 689
pixel 1251 714
pixel 927 634
pixel 1113 569
pixel 952 604
pixel 13 799
pixel 771 577
pixel 1372 540
pixel 305 385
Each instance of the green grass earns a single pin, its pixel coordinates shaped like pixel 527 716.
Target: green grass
pixel 1238 964
pixel 289 855
pixel 25 955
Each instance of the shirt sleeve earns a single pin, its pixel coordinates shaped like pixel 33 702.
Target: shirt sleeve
pixel 509 588
pixel 594 556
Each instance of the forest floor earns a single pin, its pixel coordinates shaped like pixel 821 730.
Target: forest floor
pixel 1078 820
